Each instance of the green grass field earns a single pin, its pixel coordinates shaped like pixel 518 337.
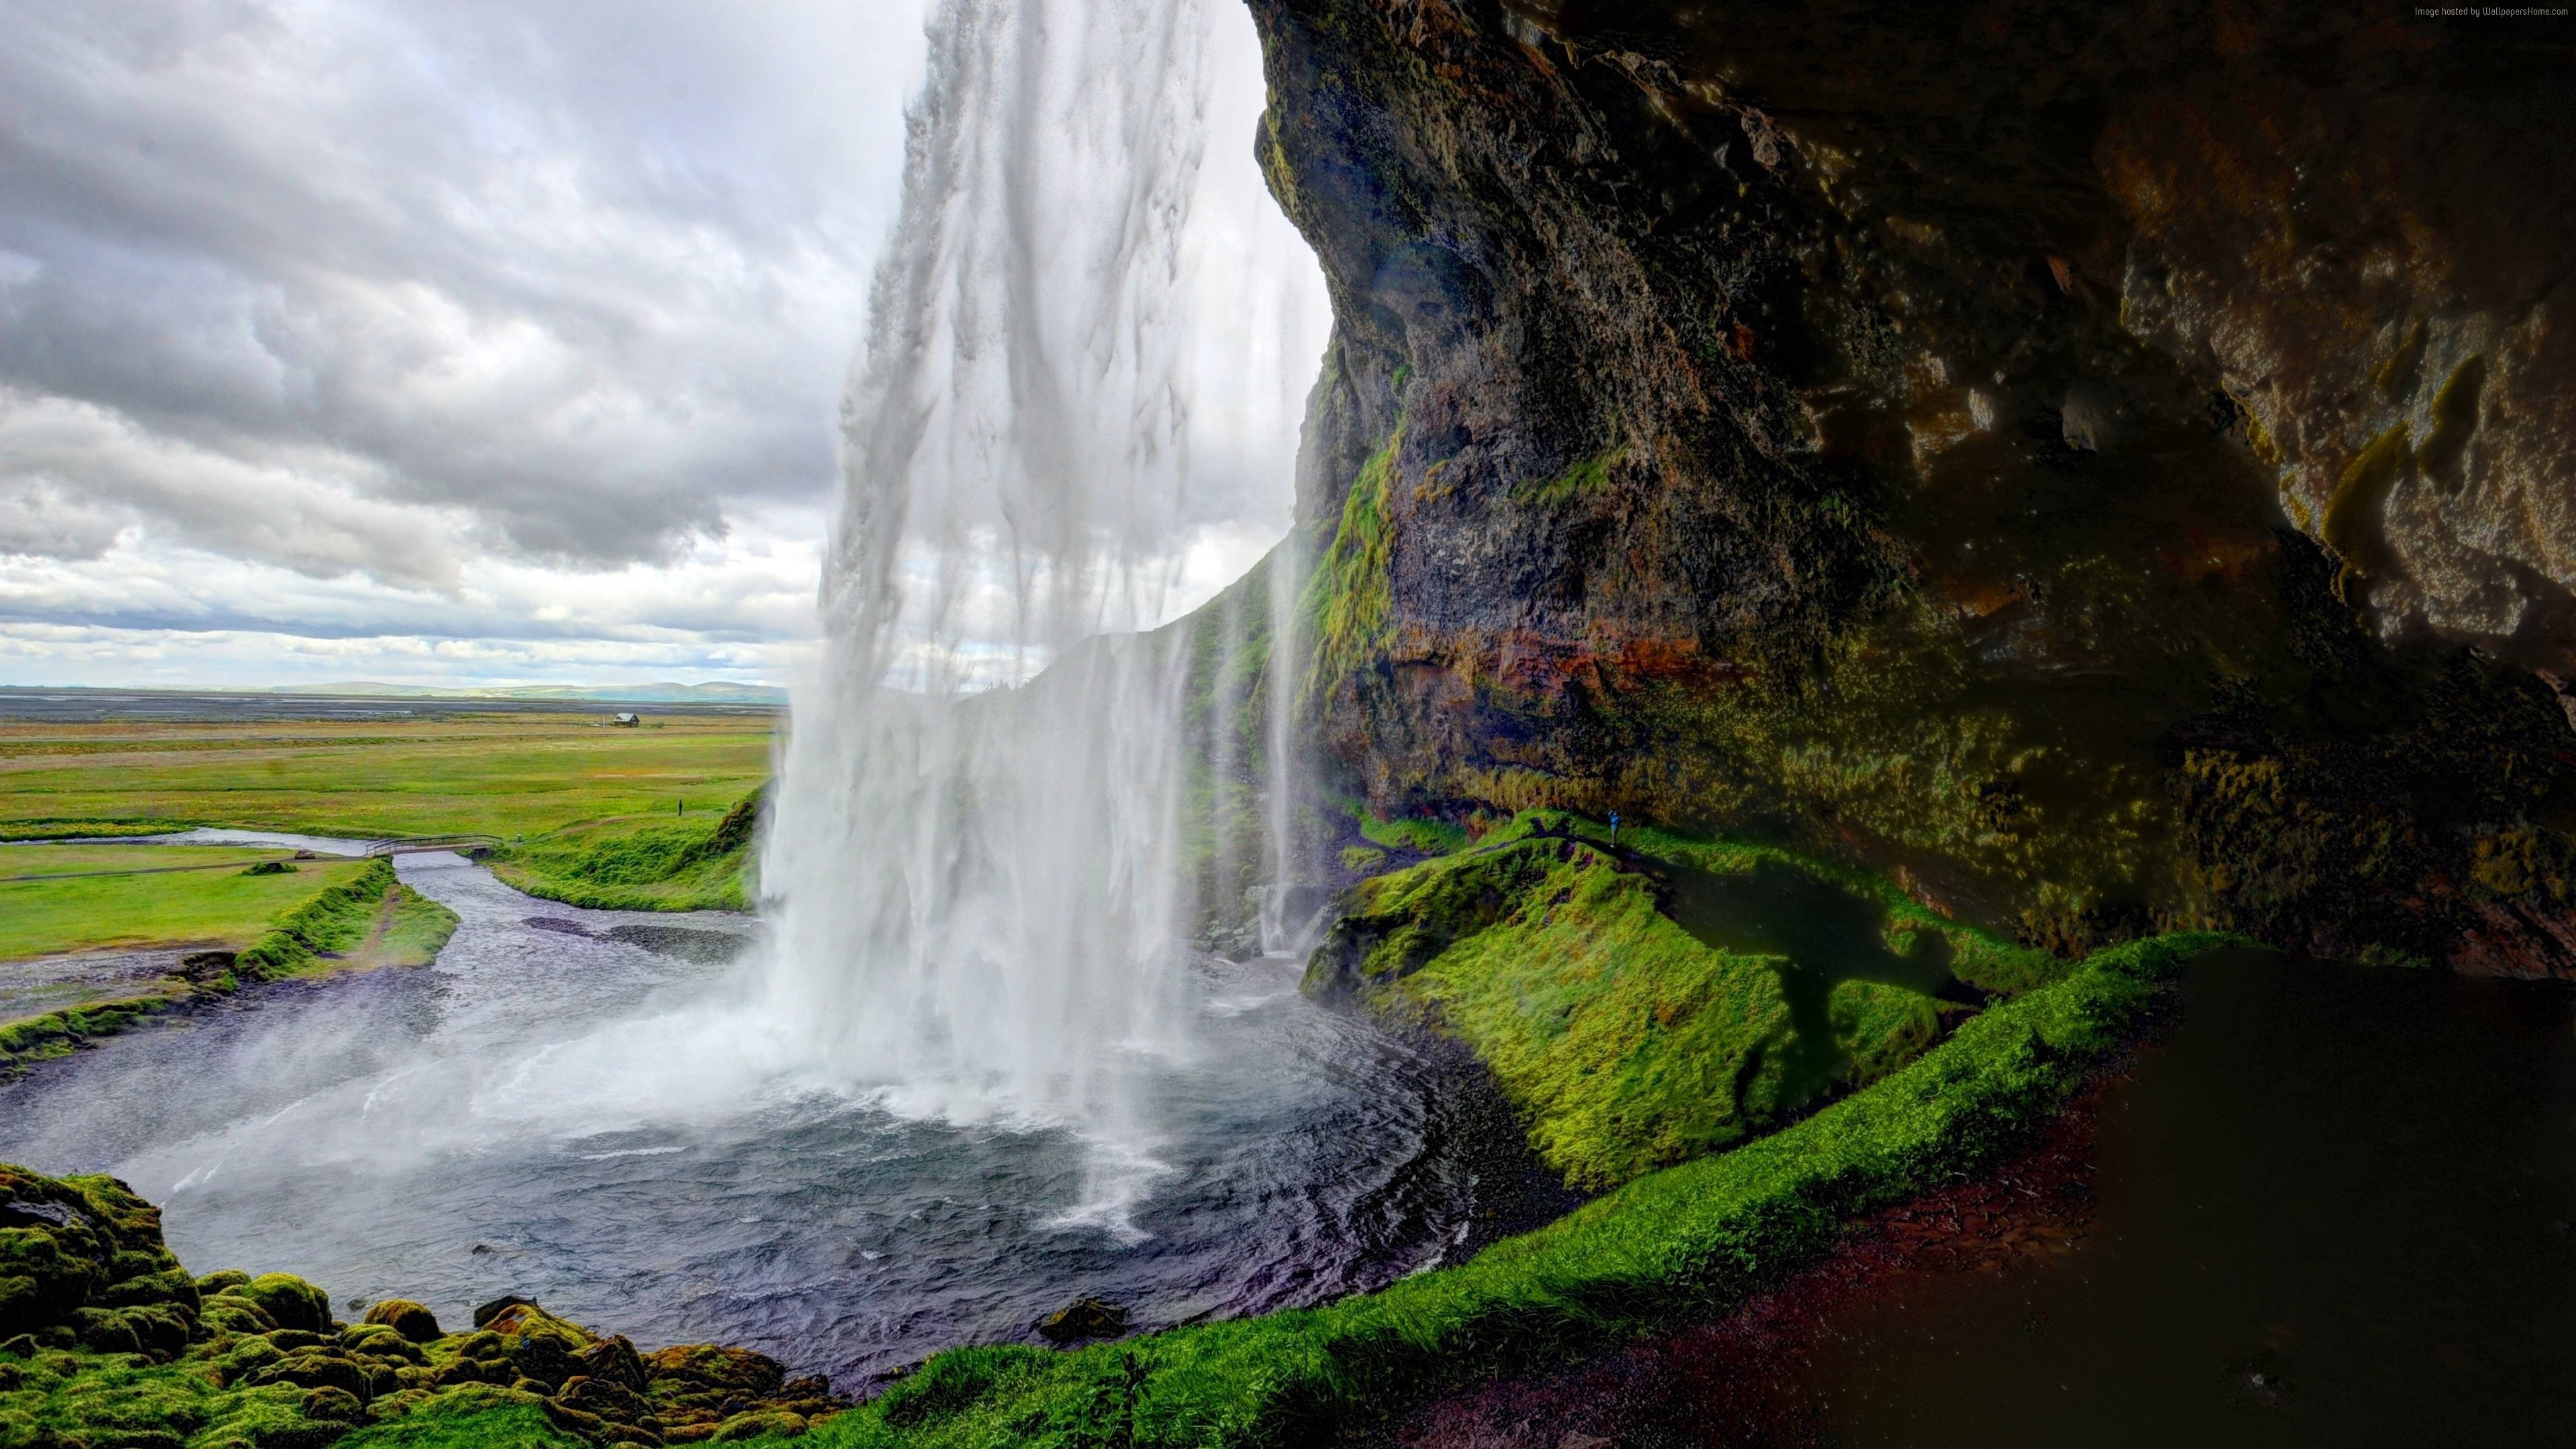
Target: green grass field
pixel 504 775
pixel 220 909
pixel 318 917
pixel 699 864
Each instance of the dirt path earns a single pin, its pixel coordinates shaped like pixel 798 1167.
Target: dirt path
pixel 371 952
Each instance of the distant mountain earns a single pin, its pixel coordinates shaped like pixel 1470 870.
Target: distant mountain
pixel 660 692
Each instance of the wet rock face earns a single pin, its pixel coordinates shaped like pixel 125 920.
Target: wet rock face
pixel 2057 453
pixel 2362 229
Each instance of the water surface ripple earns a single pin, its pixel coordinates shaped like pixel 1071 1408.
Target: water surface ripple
pixel 447 1133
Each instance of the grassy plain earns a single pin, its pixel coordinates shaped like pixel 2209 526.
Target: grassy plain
pixel 702 863
pixel 219 908
pixel 506 775
pixel 337 916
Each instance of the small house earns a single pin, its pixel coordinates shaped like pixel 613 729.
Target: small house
pixel 628 718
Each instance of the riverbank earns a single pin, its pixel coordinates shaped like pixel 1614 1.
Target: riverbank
pixel 2323 1203
pixel 1686 1242
pixel 352 916
pixel 579 1108
pixel 674 864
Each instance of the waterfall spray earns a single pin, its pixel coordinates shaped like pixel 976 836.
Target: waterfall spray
pixel 977 905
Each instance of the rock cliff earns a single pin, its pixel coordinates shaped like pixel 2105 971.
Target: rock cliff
pixel 2108 469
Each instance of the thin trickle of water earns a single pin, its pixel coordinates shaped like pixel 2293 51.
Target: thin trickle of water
pixel 1074 397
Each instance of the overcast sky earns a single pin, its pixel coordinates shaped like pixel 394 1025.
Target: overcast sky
pixel 468 342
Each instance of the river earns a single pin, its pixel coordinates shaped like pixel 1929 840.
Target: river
pixel 455 1132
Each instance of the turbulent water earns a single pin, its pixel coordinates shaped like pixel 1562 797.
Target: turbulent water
pixel 473 1128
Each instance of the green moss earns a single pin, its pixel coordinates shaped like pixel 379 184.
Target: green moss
pixel 624 866
pixel 1581 479
pixel 419 930
pixel 1349 599
pixel 1361 859
pixel 107 1343
pixel 1422 837
pixel 1685 1243
pixel 2454 414
pixel 1646 1008
pixel 2351 525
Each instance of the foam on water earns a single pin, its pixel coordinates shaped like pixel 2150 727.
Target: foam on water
pixel 472 1128
pixel 1080 362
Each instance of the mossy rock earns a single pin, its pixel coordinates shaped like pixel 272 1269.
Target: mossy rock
pixel 119 1348
pixel 1083 1318
pixel 413 1321
pixel 759 1425
pixel 69 1243
pixel 292 1302
pixel 615 1360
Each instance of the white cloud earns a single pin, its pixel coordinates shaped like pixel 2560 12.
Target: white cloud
pixel 589 272
pixel 734 609
pixel 478 341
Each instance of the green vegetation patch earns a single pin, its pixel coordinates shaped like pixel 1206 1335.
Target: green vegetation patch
pixel 1647 1006
pixel 106 1342
pixel 1581 479
pixel 499 775
pixel 145 902
pixel 1422 837
pixel 88 829
pixel 680 865
pixel 1350 597
pixel 1686 1243
pixel 360 917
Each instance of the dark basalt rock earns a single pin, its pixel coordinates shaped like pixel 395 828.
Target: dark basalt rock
pixel 2106 469
pixel 1083 1318
pixel 484 1313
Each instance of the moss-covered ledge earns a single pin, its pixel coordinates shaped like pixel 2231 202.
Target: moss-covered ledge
pixel 1687 1242
pixel 1650 998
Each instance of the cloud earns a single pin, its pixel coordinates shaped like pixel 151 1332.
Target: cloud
pixel 146 610
pixel 587 273
pixel 74 470
pixel 492 342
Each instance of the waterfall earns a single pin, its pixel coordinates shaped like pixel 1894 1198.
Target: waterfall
pixel 1078 388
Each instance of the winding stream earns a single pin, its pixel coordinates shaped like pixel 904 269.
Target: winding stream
pixel 455 1132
